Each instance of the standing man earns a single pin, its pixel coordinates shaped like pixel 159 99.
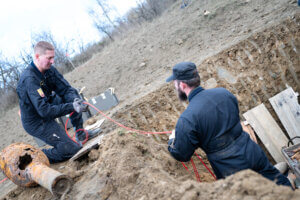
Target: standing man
pixel 211 122
pixel 45 95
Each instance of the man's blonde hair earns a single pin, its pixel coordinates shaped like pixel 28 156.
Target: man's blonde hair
pixel 42 46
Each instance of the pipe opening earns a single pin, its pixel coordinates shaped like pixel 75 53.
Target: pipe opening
pixel 62 186
pixel 24 161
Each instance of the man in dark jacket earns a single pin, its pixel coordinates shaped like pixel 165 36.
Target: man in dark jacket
pixel 211 122
pixel 45 95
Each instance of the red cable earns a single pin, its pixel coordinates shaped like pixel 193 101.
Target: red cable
pixel 66 129
pixel 86 135
pixel 3 180
pixel 130 129
pixel 195 170
pixel 137 131
pixel 206 166
pixel 121 125
pixel 187 169
pixel 66 125
pixel 144 132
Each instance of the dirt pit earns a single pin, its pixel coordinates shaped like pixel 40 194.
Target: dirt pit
pixel 133 166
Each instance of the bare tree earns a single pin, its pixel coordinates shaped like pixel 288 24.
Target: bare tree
pixel 10 72
pixel 105 17
pixel 106 9
pixel 147 10
pixel 3 75
pixel 101 24
pixel 143 11
pixel 3 81
pixel 26 56
pixel 9 76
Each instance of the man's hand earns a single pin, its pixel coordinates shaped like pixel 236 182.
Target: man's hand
pixel 172 136
pixel 79 106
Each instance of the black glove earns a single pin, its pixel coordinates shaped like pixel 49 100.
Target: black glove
pixel 79 106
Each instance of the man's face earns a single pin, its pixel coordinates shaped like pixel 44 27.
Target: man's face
pixel 45 60
pixel 181 95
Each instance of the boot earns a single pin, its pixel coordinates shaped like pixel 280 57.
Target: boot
pixel 81 135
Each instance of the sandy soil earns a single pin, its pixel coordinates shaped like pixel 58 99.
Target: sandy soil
pixel 251 47
pixel 132 166
pixel 137 167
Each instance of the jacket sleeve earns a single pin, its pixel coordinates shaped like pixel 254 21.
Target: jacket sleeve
pixel 183 146
pixel 64 89
pixel 42 107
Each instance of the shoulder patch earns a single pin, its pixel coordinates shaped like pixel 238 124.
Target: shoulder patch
pixel 41 93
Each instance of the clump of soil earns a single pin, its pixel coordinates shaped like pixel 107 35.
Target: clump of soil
pixel 134 166
pixel 138 167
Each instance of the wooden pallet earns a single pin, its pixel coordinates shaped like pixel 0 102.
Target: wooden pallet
pixel 288 110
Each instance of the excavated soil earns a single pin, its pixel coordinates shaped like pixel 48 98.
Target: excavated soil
pixel 250 47
pixel 132 166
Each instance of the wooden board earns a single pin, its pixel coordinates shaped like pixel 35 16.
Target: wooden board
pixel 287 108
pixel 92 144
pixel 267 130
pixel 95 125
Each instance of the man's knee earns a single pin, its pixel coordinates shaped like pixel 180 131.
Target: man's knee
pixel 61 152
pixel 68 149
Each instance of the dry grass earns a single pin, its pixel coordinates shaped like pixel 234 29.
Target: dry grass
pixel 8 101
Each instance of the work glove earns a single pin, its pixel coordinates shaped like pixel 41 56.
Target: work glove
pixel 79 106
pixel 172 136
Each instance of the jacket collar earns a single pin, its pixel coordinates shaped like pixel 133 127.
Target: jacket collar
pixel 36 70
pixel 194 92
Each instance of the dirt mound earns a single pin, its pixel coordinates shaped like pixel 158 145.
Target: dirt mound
pixel 136 166
pixel 241 45
pixel 132 166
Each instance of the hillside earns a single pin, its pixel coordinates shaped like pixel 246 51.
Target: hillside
pixel 137 64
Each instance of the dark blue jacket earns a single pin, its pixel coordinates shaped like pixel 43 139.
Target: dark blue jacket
pixel 35 91
pixel 211 122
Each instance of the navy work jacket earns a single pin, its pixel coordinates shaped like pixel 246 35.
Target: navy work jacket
pixel 211 122
pixel 35 91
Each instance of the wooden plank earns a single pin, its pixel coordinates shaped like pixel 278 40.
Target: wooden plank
pixel 267 130
pixel 92 144
pixel 95 125
pixel 287 109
